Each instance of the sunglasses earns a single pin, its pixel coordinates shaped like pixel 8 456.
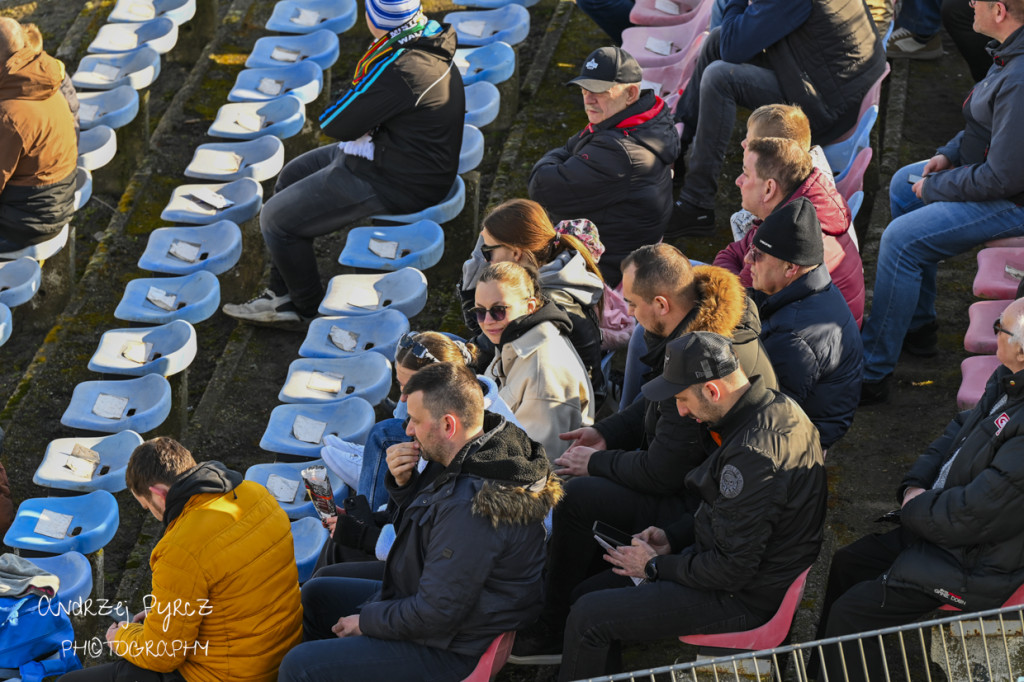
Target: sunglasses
pixel 998 327
pixel 497 312
pixel 488 251
pixel 408 343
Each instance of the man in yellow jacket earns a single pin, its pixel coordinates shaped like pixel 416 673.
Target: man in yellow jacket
pixel 225 601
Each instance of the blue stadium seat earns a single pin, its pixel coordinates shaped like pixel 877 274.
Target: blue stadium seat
pixel 282 117
pixel 219 248
pixel 404 290
pixel 137 68
pixel 6 324
pixel 96 147
pixel 197 297
pixel 309 536
pixel 483 101
pixel 260 159
pixel 42 250
pixel 420 245
pixel 178 11
pixel 115 108
pixel 114 452
pixel 304 80
pixel 320 47
pixel 186 206
pixel 83 188
pixel 149 403
pixel 378 332
pixel 440 213
pixel 306 16
pixel 854 203
pixel 350 419
pixel 367 376
pixel 161 34
pixel 472 152
pixel 841 154
pixel 93 524
pixel 166 349
pixel 300 505
pixel 19 281
pixel 74 573
pixel 509 24
pixel 494 63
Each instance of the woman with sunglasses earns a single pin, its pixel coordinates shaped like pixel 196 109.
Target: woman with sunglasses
pixel 565 256
pixel 539 373
pixel 356 538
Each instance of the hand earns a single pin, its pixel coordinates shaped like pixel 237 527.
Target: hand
pixel 140 616
pixel 347 627
pixel 631 560
pixel 112 632
pixel 909 494
pixel 656 538
pixel 574 461
pixel 402 459
pixel 917 188
pixel 331 522
pixel 937 163
pixel 588 436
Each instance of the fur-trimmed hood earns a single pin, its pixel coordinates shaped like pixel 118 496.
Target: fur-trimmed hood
pixel 722 301
pixel 504 503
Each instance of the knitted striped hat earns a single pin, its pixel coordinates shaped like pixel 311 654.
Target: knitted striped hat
pixel 389 14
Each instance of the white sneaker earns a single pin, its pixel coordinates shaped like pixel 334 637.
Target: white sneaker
pixel 268 309
pixel 903 45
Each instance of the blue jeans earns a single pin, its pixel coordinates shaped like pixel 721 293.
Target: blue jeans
pixel 382 436
pixel 612 16
pixel 923 17
pixel 919 236
pixel 633 377
pixel 326 658
pixel 708 112
pixel 717 9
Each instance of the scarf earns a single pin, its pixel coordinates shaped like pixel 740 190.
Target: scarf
pixel 387 43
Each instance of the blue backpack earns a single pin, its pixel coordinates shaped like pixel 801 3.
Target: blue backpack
pixel 31 629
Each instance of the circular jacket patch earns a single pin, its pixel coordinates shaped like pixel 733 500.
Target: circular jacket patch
pixel 731 484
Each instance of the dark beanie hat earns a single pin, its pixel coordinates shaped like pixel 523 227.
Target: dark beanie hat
pixel 792 233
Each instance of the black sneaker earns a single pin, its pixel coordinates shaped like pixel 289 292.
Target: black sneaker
pixel 923 342
pixel 875 392
pixel 690 221
pixel 536 645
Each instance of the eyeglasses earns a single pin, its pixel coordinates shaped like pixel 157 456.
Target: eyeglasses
pixel 998 327
pixel 409 343
pixel 487 251
pixel 755 254
pixel 497 312
pixel 974 3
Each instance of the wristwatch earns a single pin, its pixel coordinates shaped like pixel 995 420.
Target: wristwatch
pixel 651 569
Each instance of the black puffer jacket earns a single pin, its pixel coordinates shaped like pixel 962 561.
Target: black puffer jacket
pixel 763 496
pixel 652 448
pixel 618 174
pixel 469 547
pixel 970 551
pixel 413 103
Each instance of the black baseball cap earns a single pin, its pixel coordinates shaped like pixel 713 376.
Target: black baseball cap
pixel 605 67
pixel 692 359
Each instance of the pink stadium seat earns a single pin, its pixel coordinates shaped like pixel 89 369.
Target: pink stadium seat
pixel 999 272
pixel 671 79
pixel 976 370
pixel 645 12
pixel 1008 241
pixel 853 181
pixel 979 337
pixel 871 98
pixel 681 38
pixel 769 635
pixel 493 659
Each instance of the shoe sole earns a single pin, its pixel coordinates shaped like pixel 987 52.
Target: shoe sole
pixel 537 659
pixel 291 326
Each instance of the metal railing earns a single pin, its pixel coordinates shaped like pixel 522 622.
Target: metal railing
pixel 985 646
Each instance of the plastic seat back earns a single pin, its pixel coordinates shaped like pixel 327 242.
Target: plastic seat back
pixel 137 68
pixel 178 11
pixel 260 159
pixel 494 63
pixel 645 42
pixel 649 12
pixel 114 452
pixel 282 117
pixel 341 337
pixel 74 573
pixel 188 203
pixel 508 24
pixel 404 290
pixel 93 523
pixel 320 47
pixel 419 245
pixel 19 281
pixel 160 33
pixel 215 248
pixel 304 80
pixel 841 154
pixel 96 147
pixel 307 16
pixel 137 351
pixel 293 429
pixel 195 298
pixel 1000 270
pixel 449 208
pixel 327 380
pixel 286 476
pixel 493 659
pixel 483 102
pixel 853 180
pixel 115 108
pixel 979 337
pixel 472 152
pixel 308 536
pixel 975 372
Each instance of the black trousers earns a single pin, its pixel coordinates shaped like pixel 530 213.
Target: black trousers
pixel 958 19
pixel 573 554
pixel 857 600
pixel 120 671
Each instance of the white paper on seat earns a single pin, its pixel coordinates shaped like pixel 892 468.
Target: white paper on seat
pixel 270 86
pixel 82 462
pixel 162 299
pixel 124 40
pixel 364 297
pixel 283 489
pixel 208 196
pixel 284 54
pixel 107 72
pixel 250 121
pixel 53 524
pixel 343 339
pixel 306 17
pixel 88 112
pixel 325 382
pixel 474 28
pixel 138 352
pixel 667 6
pixel 658 46
pixel 217 161
pixel 383 248
pixel 308 430
pixel 109 406
pixel 1015 273
pixel 142 10
pixel 462 65
pixel 651 85
pixel 186 251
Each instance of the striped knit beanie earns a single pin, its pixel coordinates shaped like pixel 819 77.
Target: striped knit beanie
pixel 390 14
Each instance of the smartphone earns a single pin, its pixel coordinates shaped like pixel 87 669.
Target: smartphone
pixel 914 179
pixel 120 613
pixel 611 535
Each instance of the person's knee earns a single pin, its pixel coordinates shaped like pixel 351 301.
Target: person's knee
pixel 291 669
